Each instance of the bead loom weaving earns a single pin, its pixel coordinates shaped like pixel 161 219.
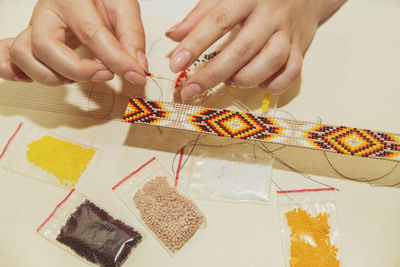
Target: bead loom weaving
pixel 247 126
pixel 243 228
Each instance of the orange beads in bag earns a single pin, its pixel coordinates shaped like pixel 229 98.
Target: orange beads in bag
pixel 309 228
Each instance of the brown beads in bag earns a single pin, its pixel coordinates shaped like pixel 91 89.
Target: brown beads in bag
pixel 88 231
pixel 94 235
pixel 172 217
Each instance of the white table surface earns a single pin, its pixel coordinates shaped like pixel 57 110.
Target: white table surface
pixel 350 77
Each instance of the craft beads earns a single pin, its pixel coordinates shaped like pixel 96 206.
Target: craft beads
pixel 173 218
pixel 248 126
pixel 63 159
pixel 94 235
pixel 310 244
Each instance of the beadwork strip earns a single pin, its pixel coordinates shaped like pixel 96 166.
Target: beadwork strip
pixel 247 126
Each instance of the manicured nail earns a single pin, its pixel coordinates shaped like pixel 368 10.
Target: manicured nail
pixel 180 60
pixel 135 78
pixel 173 28
pixel 102 76
pixel 191 91
pixel 143 61
pixel 22 77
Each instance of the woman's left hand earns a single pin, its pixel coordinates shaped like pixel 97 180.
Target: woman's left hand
pixel 267 51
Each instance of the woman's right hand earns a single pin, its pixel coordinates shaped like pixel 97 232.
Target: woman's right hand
pixel 44 51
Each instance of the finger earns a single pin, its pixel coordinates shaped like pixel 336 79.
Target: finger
pixel 87 24
pixel 125 18
pixel 270 60
pixel 288 74
pixel 233 58
pixel 8 70
pixel 48 45
pixel 180 30
pixel 21 55
pixel 210 29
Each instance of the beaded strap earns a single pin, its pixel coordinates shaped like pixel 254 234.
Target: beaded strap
pixel 248 126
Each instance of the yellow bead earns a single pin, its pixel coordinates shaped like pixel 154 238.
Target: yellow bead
pixel 63 159
pixel 265 103
pixel 310 244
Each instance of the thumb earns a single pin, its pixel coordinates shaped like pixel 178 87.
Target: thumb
pixel 180 30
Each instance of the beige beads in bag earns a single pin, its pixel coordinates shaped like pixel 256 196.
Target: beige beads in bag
pixel 149 193
pixel 171 216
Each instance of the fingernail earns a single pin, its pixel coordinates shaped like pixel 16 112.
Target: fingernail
pixel 102 76
pixel 143 61
pixel 135 78
pixel 191 91
pixel 22 77
pixel 173 28
pixel 180 60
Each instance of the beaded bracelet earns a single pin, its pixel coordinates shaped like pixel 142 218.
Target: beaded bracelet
pixel 248 126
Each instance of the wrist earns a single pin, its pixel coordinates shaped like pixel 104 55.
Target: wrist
pixel 328 8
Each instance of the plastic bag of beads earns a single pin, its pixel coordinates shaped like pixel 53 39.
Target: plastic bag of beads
pixel 227 172
pixel 309 228
pixel 36 153
pixel 150 194
pixel 84 229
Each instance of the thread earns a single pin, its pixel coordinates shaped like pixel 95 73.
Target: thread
pixel 89 101
pixel 179 167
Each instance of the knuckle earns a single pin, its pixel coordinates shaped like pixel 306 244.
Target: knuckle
pixel 133 38
pixel 194 43
pixel 39 46
pixel 244 80
pixel 16 52
pixel 4 68
pixel 88 32
pixel 278 57
pixel 221 19
pixel 243 49
pixel 48 78
pixel 293 73
pixel 115 65
pixel 80 72
pixel 295 70
pixel 212 80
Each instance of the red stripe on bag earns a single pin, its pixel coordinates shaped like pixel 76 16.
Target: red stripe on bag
pixel 305 190
pixel 10 140
pixel 55 209
pixel 133 173
pixel 179 167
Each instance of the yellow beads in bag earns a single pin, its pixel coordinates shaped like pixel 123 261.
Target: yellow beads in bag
pixel 65 160
pixel 310 244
